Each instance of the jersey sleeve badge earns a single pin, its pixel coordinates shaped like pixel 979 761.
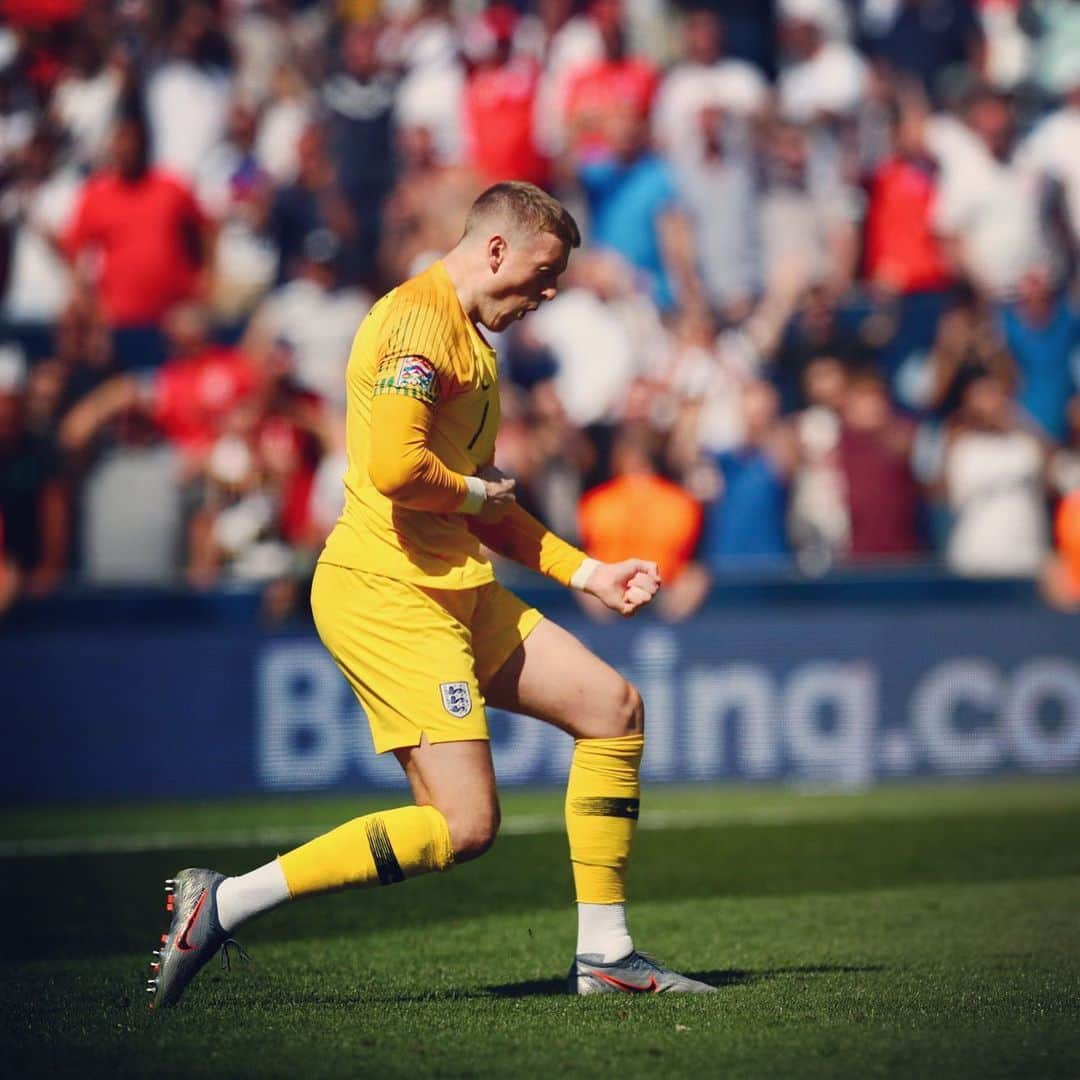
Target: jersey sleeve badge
pixel 414 376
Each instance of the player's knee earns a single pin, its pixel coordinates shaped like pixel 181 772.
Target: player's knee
pixel 473 831
pixel 626 715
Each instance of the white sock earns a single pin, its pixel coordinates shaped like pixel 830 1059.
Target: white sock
pixel 238 898
pixel 602 931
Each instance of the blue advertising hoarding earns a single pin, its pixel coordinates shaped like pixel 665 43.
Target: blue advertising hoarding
pixel 823 695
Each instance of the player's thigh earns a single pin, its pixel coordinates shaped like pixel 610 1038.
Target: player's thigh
pixel 406 653
pixel 458 779
pixel 554 677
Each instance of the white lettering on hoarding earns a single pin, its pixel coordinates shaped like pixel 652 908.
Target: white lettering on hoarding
pixel 844 694
pixel 934 706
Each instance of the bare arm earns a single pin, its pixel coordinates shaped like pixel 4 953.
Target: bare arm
pixel 95 410
pixel 679 255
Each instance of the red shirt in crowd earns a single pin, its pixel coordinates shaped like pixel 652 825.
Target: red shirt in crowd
pixel 194 394
pixel 499 102
pixel 901 248
pixel 599 89
pixel 147 232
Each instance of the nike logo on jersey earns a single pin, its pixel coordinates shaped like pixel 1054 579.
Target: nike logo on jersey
pixel 182 942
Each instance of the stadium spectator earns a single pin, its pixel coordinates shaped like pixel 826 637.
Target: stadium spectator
pixel 1060 577
pixel 994 481
pixel 1042 331
pixel 431 91
pixel 816 330
pixel 589 329
pixel 1064 473
pixel 823 77
pixel 423 214
pixel 235 192
pixel 634 210
pixel 149 239
pixel 282 121
pixel 617 82
pixel 87 94
pixel 314 316
pixel 640 510
pixel 933 41
pixel 819 524
pixel 188 93
pixel 500 103
pixel 874 453
pixel 808 210
pixel 1053 148
pixel 35 210
pixel 315 200
pixel 563 43
pixel 966 340
pixel 35 501
pixel 746 526
pixel 902 252
pixel 717 183
pixel 261 39
pixel 703 81
pixel 359 100
pixel 188 399
pixel 254 517
pixel 988 209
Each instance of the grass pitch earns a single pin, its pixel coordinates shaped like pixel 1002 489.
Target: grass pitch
pixel 910 932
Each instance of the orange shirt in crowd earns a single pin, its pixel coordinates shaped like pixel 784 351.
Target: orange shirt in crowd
pixel 1067 535
pixel 642 516
pixel 147 233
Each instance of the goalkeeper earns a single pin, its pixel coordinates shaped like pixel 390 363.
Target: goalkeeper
pixel 407 604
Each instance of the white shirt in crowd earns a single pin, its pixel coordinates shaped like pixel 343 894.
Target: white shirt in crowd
pixel 992 206
pixel 86 108
pixel 38 280
pixel 996 496
pixel 319 326
pixel 188 108
pixel 596 351
pixel 833 80
pixel 1053 148
pixel 688 89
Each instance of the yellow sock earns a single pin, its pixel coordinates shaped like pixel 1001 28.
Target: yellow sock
pixel 377 849
pixel 602 800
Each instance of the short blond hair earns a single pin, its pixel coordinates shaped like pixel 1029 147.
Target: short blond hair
pixel 525 205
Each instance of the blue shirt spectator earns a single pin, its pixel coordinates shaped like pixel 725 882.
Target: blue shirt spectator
pixel 626 200
pixel 747 524
pixel 1042 332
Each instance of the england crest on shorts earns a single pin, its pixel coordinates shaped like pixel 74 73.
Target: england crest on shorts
pixel 456 699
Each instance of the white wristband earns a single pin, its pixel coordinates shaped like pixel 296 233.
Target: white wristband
pixel 583 573
pixel 476 496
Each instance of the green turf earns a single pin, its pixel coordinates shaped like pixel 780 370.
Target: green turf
pixel 919 931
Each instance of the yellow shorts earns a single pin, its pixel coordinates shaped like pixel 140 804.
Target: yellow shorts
pixel 417 657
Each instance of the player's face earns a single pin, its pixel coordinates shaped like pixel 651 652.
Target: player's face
pixel 526 274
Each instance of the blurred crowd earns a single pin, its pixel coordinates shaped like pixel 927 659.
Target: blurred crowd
pixel 825 313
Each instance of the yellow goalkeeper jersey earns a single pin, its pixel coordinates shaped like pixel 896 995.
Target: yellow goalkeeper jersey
pixel 417 343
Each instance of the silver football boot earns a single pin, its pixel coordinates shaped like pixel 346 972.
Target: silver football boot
pixel 194 935
pixel 633 974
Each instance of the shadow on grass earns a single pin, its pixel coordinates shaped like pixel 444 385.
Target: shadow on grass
pixel 723 977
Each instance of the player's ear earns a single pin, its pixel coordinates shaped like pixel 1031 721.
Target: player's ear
pixel 496 252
